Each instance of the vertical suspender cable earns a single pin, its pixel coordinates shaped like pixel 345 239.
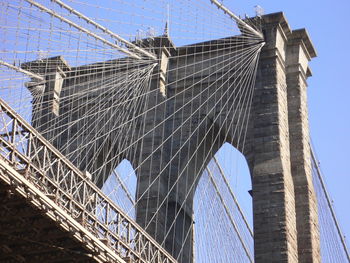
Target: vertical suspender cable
pixel 319 176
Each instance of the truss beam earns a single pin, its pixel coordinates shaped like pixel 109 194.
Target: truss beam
pixel 48 172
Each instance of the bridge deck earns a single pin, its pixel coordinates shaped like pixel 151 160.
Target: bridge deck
pixel 36 172
pixel 29 235
pixel 38 230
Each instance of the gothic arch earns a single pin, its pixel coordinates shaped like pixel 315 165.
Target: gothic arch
pixel 209 207
pixel 120 186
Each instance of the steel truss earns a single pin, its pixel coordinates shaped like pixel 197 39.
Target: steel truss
pixel 39 172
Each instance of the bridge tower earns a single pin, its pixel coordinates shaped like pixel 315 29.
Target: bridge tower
pixel 276 148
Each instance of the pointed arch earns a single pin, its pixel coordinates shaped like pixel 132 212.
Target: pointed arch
pixel 217 217
pixel 120 186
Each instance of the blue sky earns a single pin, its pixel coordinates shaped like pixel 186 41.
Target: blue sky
pixel 329 106
pixel 329 93
pixel 327 24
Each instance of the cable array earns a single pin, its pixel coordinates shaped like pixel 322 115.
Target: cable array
pixel 140 95
pixel 333 244
pixel 220 219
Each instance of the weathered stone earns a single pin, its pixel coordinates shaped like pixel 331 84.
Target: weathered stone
pixel 198 120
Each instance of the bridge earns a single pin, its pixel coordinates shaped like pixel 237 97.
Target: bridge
pixel 79 101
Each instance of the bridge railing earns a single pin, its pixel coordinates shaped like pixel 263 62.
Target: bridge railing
pixel 53 174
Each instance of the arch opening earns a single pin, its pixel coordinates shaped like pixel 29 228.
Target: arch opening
pixel 222 209
pixel 120 186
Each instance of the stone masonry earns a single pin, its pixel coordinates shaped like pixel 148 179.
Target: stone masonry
pixel 276 148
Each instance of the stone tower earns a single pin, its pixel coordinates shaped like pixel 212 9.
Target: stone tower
pixel 276 148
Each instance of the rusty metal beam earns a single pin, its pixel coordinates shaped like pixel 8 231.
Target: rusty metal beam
pixel 39 162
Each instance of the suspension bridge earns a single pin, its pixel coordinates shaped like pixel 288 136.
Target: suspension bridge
pixel 117 120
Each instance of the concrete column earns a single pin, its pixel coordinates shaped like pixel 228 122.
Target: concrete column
pixel 299 53
pixel 275 235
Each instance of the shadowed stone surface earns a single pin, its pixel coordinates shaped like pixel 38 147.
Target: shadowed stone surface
pixel 276 148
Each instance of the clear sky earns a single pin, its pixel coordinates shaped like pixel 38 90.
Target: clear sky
pixel 329 106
